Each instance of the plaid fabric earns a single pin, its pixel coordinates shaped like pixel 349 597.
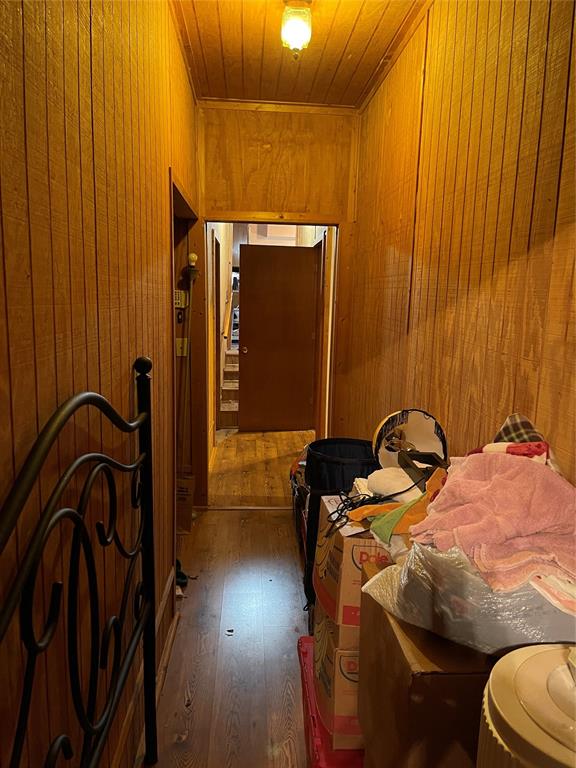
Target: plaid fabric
pixel 519 429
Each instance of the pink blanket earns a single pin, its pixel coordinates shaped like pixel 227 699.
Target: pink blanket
pixel 559 592
pixel 515 519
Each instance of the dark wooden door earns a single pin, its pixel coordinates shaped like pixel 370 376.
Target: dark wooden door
pixel 278 336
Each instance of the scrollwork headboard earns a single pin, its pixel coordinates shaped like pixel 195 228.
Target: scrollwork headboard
pixel 106 647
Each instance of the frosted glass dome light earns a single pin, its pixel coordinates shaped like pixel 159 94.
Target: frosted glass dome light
pixel 296 27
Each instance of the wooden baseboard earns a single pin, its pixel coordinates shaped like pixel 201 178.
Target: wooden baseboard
pixel 166 594
pixel 160 678
pixel 119 761
pixel 166 655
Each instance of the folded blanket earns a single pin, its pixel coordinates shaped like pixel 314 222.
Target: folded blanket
pixel 560 592
pixel 546 547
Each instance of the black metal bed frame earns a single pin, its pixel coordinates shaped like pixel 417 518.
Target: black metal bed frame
pixel 103 643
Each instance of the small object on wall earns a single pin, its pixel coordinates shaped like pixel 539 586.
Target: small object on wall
pixel 181 300
pixel 181 347
pixel 190 271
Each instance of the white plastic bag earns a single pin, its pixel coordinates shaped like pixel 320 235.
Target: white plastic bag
pixel 442 592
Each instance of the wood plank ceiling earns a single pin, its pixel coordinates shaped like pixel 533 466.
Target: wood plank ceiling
pixel 234 51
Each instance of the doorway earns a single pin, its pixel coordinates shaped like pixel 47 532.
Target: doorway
pixel 267 265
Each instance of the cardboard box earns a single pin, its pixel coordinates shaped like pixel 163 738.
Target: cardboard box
pixel 340 555
pixel 345 637
pixel 420 695
pixel 321 753
pixel 185 485
pixel 336 687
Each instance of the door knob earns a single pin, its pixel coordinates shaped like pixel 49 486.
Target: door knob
pixel 244 350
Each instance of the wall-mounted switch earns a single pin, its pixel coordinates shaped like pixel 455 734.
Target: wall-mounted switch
pixel 180 299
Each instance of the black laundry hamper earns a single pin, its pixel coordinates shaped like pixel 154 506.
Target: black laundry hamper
pixel 332 465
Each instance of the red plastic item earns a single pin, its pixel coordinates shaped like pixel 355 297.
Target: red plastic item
pixel 320 753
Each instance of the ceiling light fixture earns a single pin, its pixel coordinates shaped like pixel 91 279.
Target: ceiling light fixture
pixel 296 25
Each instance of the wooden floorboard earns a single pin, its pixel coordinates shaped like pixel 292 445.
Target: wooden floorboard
pixel 252 468
pixel 232 696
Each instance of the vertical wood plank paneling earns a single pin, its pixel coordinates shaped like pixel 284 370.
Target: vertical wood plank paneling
pixel 333 53
pixel 74 222
pixel 139 218
pixel 86 134
pixel 455 269
pixel 230 27
pixel 440 378
pixel 363 36
pixel 17 265
pixel 89 246
pixel 188 26
pixel 369 333
pixel 558 366
pixel 511 333
pixel 65 299
pixel 124 245
pixel 151 53
pixel 464 296
pixel 101 171
pixel 499 378
pixel 39 202
pixel 157 306
pixel 11 670
pixel 324 15
pixel 11 665
pixel 414 374
pixel 473 336
pixel 491 293
pixel 253 21
pixel 545 201
pixel 271 65
pixel 436 86
pixel 209 35
pixel 441 172
pixel 396 16
pixel 185 133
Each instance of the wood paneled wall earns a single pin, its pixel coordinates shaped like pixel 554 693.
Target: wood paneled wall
pixel 456 286
pixel 270 162
pixel 373 279
pixel 184 127
pixel 95 107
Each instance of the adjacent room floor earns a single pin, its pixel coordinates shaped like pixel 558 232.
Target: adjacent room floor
pixel 232 695
pixel 251 468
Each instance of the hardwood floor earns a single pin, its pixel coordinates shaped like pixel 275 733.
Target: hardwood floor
pixel 232 696
pixel 252 468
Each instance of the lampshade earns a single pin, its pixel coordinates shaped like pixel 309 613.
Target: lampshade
pixel 296 27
